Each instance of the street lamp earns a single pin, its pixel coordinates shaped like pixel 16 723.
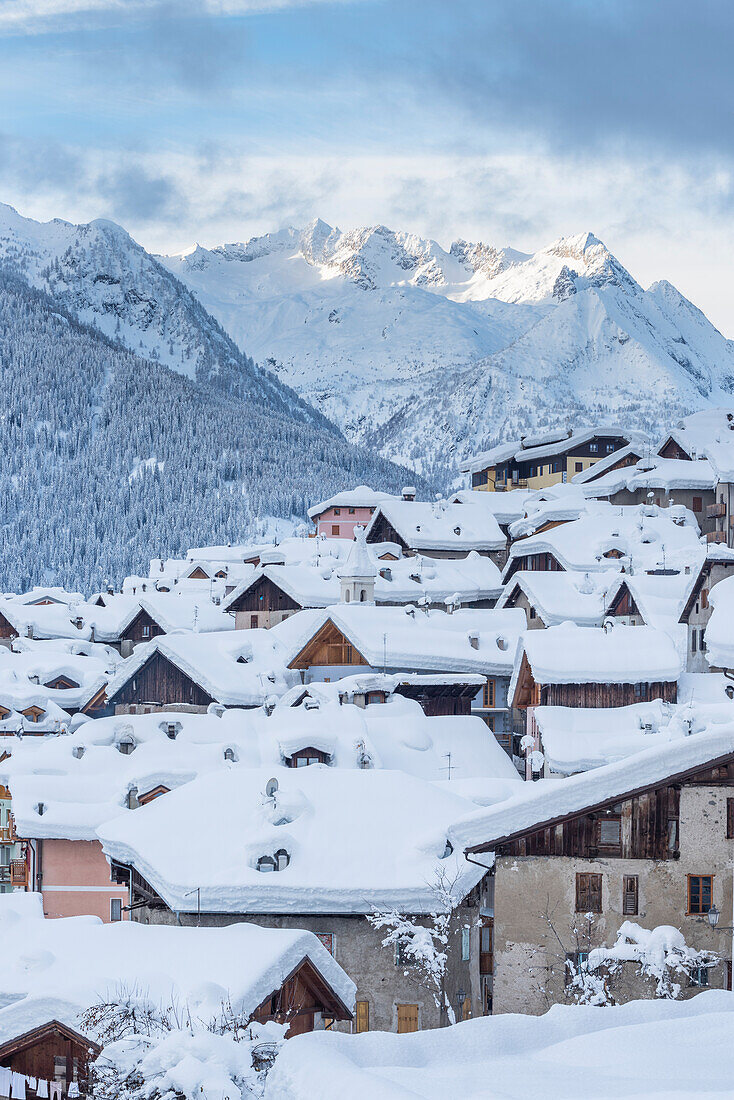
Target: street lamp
pixel 460 998
pixel 713 919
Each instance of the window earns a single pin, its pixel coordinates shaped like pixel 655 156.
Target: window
pixel 253 622
pixel 704 598
pixel 375 697
pixel 593 448
pixel 610 448
pixel 351 511
pixel 700 893
pixel 642 691
pixel 229 756
pixel 115 909
pixel 697 504
pixel 407 1018
pixel 532 612
pixel 588 893
pixel 579 467
pixel 702 640
pixel 362 1017
pixel 700 976
pixel 630 895
pixel 489 693
pixel 694 641
pixel 401 956
pixel 730 819
pixel 335 528
pixel 485 946
pixel 489 721
pixel 146 630
pixel 465 944
pixel 327 938
pixel 337 511
pixel 610 831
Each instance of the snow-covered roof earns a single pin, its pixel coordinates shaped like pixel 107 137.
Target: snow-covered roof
pixel 591 473
pixel 505 507
pixel 659 597
pixel 720 629
pixel 547 800
pixel 441 526
pixel 361 497
pixel 473 578
pixel 237 668
pixel 333 868
pixel 83 779
pixel 647 537
pixel 667 474
pixel 403 638
pixel 566 502
pixel 570 654
pixel 699 431
pixel 205 969
pixel 576 739
pixel 559 597
pixel 530 448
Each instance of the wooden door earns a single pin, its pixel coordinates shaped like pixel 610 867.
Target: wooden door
pixel 407 1018
pixel 362 1017
pixel 486 953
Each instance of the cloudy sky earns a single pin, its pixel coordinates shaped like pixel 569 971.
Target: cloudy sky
pixel 511 122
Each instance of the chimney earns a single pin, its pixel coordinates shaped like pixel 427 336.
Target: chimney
pixel 473 637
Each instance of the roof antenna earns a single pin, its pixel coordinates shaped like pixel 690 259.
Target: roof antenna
pixel 447 768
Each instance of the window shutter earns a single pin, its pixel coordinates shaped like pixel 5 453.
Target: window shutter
pixel 630 896
pixel 730 819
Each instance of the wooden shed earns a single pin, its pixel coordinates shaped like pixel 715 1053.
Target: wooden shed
pixel 53 1052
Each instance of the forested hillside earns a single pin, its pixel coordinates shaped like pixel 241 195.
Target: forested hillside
pixel 110 458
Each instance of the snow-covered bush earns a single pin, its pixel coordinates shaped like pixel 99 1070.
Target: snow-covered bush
pixel 660 954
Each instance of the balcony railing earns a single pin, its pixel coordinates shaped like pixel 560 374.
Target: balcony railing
pixel 18 872
pixel 7 834
pixel 716 536
pixel 714 510
pixel 4 874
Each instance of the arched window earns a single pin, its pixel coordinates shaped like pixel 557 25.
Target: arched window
pixel 347 596
pixel 362 595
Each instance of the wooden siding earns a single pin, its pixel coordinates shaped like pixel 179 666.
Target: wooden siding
pixel 160 681
pixel 606 695
pixel 328 647
pixel 382 531
pixel 647 832
pixel 671 449
pixel 264 595
pixel 134 632
pixel 34 1053
pixel 303 993
pixel 7 630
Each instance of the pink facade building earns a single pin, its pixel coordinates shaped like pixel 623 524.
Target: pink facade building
pixel 337 517
pixel 75 879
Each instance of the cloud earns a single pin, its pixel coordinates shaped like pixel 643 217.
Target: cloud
pixel 39 16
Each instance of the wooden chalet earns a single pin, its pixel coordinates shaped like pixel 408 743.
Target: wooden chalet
pixel 623 604
pixel 7 630
pixel 530 693
pixel 51 1052
pixel 328 647
pixel 141 629
pixel 439 698
pixel 304 995
pixel 157 684
pixel 538 562
pixel 260 602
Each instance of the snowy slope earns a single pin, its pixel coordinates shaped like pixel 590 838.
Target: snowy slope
pixel 429 354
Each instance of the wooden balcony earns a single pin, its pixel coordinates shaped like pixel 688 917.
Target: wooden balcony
pixel 7 834
pixel 715 510
pixel 19 872
pixel 716 536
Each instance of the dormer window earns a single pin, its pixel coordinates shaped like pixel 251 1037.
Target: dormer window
pixel 282 859
pixel 78 752
pixel 266 863
pixel 457 530
pixel 171 729
pixel 229 756
pixel 386 574
pixel 304 757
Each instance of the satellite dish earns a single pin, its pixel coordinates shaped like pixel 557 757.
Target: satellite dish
pixel 271 787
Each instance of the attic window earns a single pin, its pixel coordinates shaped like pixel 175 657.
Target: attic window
pixel 304 757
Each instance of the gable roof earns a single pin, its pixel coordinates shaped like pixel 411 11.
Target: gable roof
pixel 213 662
pixel 440 526
pixel 570 654
pixel 559 597
pixel 552 443
pixel 543 804
pixel 408 639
